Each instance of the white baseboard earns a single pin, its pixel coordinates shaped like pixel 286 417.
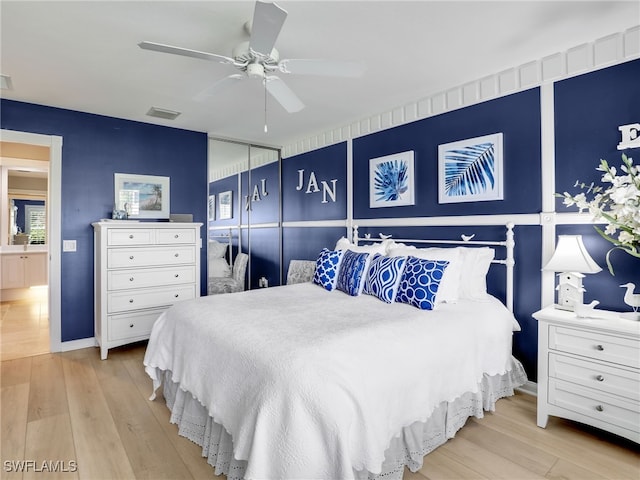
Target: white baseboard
pixel 78 344
pixel 530 388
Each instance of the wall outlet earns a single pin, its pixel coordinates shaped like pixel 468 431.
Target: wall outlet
pixel 68 245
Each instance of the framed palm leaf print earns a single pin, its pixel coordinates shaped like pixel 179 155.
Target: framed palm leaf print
pixel 470 170
pixel 391 180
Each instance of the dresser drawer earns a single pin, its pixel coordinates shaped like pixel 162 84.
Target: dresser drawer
pixel 132 325
pixel 123 237
pixel 150 277
pixel 123 301
pixel 150 257
pixel 596 375
pixel 599 346
pixel 595 404
pixel 175 235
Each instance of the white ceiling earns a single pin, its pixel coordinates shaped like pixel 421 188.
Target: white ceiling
pixel 83 55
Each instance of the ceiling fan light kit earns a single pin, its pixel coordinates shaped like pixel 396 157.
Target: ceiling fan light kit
pixel 257 58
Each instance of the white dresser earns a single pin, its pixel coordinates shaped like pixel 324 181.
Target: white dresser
pixel 589 371
pixel 140 270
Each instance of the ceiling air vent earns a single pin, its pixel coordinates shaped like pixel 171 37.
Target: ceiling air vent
pixel 162 113
pixel 5 82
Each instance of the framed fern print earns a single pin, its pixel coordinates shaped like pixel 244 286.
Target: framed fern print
pixel 470 170
pixel 391 180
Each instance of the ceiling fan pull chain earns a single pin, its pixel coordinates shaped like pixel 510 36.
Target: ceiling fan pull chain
pixel 265 102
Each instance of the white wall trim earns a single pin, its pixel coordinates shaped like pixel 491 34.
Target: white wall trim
pixel 78 344
pixel 603 52
pixel 530 388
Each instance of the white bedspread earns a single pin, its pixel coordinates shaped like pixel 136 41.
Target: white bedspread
pixel 315 384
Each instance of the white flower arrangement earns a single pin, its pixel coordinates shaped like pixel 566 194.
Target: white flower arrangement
pixel 618 205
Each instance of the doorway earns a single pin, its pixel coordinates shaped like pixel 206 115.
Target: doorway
pixel 30 310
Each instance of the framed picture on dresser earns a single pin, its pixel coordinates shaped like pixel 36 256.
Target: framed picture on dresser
pixel 142 196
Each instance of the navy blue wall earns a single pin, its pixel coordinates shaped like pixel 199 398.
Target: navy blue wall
pixel 517 116
pixel 94 148
pixel 588 111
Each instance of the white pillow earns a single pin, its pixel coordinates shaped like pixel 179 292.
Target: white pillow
pixel 216 249
pixel 449 289
pixel 218 267
pixel 476 263
pixel 345 244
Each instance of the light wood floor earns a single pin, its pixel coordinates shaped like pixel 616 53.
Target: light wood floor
pixel 24 326
pixel 74 407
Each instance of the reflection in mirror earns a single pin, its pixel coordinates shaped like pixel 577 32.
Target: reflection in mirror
pixel 27 195
pixel 246 178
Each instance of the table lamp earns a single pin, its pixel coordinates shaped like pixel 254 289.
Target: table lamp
pixel 572 260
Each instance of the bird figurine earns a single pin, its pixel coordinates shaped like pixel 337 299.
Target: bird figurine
pixel 466 238
pixel 630 298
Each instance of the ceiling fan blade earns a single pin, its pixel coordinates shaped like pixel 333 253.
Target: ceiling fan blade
pixel 327 68
pixel 268 19
pixel 284 95
pixel 219 86
pixel 185 52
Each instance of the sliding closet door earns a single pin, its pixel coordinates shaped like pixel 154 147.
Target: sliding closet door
pixel 262 208
pixel 244 209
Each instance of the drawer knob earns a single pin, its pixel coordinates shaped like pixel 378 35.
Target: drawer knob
pixel 600 378
pixel 177 254
pixel 600 408
pixel 177 236
pixel 177 275
pixel 130 236
pixel 131 325
pixel 131 300
pixel 599 348
pixel 131 257
pixel 131 279
pixel 177 295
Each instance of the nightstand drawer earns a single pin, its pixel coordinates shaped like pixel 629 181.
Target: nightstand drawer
pixel 149 277
pixel 123 237
pixel 596 345
pixel 147 298
pixel 176 235
pixel 132 324
pixel 599 376
pixel 596 405
pixel 150 257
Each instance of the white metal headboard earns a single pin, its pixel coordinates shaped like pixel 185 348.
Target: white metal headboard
pixel 508 242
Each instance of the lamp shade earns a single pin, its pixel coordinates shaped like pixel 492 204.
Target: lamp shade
pixel 572 256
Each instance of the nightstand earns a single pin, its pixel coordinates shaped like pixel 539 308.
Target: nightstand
pixel 589 370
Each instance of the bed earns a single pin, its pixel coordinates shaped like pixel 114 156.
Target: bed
pixel 302 381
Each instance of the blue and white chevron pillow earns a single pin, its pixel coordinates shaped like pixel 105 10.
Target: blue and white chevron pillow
pixel 327 267
pixel 352 272
pixel 383 277
pixel 420 281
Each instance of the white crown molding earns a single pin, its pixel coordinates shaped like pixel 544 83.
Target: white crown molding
pixel 601 53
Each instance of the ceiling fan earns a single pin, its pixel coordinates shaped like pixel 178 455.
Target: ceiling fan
pixel 258 58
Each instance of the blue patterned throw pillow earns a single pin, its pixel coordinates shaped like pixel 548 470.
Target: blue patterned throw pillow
pixel 327 267
pixel 420 281
pixel 383 277
pixel 352 271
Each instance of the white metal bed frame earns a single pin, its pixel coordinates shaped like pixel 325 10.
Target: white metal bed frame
pixel 508 243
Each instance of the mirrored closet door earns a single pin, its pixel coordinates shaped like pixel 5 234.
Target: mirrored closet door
pixel 243 217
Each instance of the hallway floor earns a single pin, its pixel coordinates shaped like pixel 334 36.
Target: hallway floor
pixel 24 327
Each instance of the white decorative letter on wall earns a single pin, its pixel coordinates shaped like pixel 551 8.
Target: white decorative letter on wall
pixel 630 136
pixel 312 186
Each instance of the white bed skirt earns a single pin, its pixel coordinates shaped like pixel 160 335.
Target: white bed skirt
pixel 408 448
